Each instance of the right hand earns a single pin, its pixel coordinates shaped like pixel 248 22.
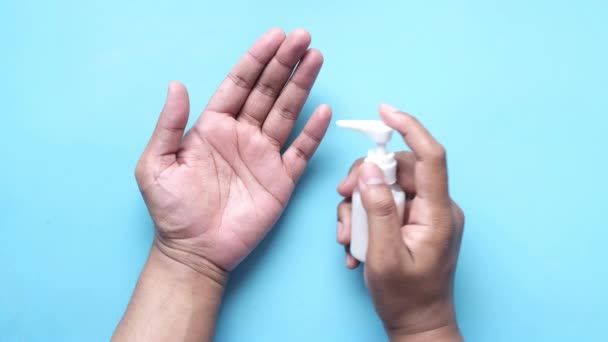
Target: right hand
pixel 410 265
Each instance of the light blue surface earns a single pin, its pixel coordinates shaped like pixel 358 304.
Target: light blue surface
pixel 516 90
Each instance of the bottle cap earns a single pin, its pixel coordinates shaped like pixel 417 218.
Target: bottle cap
pixel 381 134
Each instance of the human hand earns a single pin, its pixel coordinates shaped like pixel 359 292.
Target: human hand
pixel 410 265
pixel 214 193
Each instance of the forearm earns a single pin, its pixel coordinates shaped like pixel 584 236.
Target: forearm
pixel 171 302
pixel 448 333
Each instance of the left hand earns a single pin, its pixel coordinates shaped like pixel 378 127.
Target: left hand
pixel 214 193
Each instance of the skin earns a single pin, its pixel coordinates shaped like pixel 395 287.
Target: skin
pixel 410 265
pixel 215 191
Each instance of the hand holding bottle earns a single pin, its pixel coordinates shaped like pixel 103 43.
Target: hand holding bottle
pixel 410 263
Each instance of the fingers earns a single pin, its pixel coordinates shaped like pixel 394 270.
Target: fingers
pixel 234 90
pixel 284 113
pixel 273 78
pixel 344 222
pixel 348 184
pixel 351 262
pixel 167 135
pixel 296 157
pixel 384 227
pixel 405 175
pixel 431 171
pixel 343 233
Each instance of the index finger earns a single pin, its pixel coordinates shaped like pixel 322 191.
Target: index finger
pixel 431 168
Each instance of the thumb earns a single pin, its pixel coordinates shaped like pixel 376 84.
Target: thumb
pixel 169 130
pixel 385 241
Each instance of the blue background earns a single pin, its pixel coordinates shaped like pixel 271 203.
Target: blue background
pixel 516 90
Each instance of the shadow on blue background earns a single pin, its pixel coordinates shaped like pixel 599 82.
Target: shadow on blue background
pixel 516 91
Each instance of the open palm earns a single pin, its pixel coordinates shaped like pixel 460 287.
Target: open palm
pixel 215 192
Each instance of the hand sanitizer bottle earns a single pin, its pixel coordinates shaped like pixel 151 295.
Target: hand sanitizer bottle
pixel 381 135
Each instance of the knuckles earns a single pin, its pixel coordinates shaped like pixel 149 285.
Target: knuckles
pixel 436 153
pixel 139 170
pixel 459 217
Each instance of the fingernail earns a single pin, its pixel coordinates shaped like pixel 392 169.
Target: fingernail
pixel 388 108
pixel 370 174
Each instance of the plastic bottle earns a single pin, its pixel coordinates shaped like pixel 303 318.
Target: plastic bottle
pixel 379 155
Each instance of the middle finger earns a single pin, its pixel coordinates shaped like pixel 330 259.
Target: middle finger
pixel 273 78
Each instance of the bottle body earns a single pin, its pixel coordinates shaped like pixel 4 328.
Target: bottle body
pixel 359 227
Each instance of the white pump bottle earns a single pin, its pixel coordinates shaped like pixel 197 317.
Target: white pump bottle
pixel 381 135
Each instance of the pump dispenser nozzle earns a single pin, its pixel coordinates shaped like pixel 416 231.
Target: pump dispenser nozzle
pixel 381 134
pixel 375 129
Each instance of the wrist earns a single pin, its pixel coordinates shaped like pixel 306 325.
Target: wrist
pixel 445 333
pixel 432 322
pixel 169 296
pixel 188 266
